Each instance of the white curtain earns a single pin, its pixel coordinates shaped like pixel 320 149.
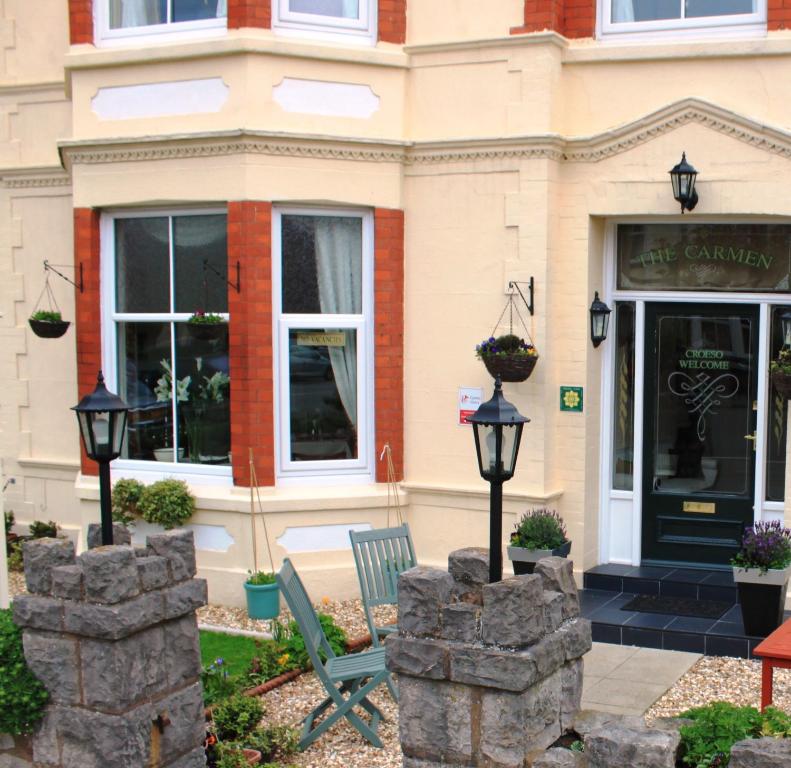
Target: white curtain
pixel 222 9
pixel 139 13
pixel 351 9
pixel 622 10
pixel 339 267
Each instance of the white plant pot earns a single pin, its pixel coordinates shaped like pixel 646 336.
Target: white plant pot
pixel 166 454
pixel 773 576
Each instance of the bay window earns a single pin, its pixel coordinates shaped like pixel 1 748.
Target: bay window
pixel 121 19
pixel 158 272
pixel 345 20
pixel 322 298
pixel 630 16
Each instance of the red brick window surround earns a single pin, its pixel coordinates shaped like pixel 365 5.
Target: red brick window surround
pixel 245 13
pixel 570 18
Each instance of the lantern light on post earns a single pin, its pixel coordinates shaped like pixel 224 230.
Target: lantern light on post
pixel 102 419
pixel 600 320
pixel 785 322
pixel 497 427
pixel 682 177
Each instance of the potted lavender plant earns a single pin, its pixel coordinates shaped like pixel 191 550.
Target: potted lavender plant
pixel 761 570
pixel 539 533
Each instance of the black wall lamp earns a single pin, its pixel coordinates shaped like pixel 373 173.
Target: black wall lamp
pixel 682 177
pixel 600 320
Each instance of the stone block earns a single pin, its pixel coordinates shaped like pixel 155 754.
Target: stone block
pixel 435 720
pixel 470 567
pixel 560 758
pixel 121 535
pixel 117 675
pixel 767 752
pixel 557 575
pixel 577 640
pixel 6 741
pixel 94 740
pixel 553 611
pixel 461 623
pixel 422 592
pixel 570 692
pixel 153 572
pixel 635 747
pixel 112 622
pixel 40 557
pixel 187 726
pixel 182 650
pixel 513 612
pixel 492 667
pixel 542 713
pixel 46 745
pixel 110 574
pixel 194 759
pixel 548 654
pixel 67 582
pixel 53 659
pixel 413 762
pixel 185 597
pixel 35 612
pixel 179 549
pixel 589 720
pixel 417 657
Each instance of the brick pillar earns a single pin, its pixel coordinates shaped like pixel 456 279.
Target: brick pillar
pixel 392 21
pixel 80 21
pixel 389 337
pixel 88 310
pixel 250 341
pixel 778 14
pixel 570 18
pixel 249 13
pixel 113 637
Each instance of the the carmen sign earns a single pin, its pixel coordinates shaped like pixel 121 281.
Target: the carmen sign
pixel 724 257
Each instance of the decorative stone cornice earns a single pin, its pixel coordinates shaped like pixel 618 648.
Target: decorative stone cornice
pixel 552 147
pixel 34 178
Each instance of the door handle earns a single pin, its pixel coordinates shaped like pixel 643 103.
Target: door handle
pixel 752 438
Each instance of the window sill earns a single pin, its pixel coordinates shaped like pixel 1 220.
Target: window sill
pixel 235 42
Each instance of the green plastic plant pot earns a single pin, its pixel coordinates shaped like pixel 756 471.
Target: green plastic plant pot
pixel 263 600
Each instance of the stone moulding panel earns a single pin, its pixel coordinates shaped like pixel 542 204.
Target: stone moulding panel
pixel 186 97
pixel 317 97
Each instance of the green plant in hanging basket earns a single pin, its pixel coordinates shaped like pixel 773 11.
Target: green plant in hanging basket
pixel 46 316
pixel 780 373
pixel 508 356
pixel 205 318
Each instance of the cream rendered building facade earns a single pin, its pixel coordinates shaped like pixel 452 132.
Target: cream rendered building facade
pixel 511 156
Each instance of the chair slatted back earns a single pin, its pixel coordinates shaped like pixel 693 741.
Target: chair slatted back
pixel 380 556
pixel 299 603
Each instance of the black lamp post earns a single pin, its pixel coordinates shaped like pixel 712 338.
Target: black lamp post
pixel 497 427
pixel 102 419
pixel 682 177
pixel 600 320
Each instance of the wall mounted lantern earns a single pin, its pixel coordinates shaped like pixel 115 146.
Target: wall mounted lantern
pixel 102 419
pixel 497 426
pixel 600 320
pixel 682 177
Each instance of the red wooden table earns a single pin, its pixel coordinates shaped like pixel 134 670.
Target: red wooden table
pixel 775 651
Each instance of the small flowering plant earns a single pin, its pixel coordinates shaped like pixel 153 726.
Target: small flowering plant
pixel 504 346
pixel 764 546
pixel 540 529
pixel 200 317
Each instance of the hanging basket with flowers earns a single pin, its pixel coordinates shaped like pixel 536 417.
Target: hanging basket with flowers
pixel 780 373
pixel 508 356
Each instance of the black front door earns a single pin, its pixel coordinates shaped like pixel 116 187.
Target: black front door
pixel 698 431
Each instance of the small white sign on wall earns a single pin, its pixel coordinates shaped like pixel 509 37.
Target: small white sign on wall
pixel 469 401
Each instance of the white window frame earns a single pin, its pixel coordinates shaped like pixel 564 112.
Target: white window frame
pixel 738 25
pixel 336 471
pixel 195 474
pixel 331 28
pixel 154 33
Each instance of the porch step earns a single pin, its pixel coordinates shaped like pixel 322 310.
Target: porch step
pixel 607 588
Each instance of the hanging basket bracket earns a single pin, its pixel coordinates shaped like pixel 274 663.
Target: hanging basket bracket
pixel 530 289
pixel 50 268
pixel 237 286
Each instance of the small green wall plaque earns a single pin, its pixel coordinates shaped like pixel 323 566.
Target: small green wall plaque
pixel 571 399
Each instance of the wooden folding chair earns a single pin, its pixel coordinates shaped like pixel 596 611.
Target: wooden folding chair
pixel 380 556
pixel 343 677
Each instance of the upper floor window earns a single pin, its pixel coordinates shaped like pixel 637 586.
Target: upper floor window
pixel 629 16
pixel 120 20
pixel 341 20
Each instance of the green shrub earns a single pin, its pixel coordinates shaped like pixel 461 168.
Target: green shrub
pixel 9 521
pixel 294 643
pixel 230 756
pixel 274 742
pixel 46 316
pixel 41 530
pixel 167 502
pixel 218 683
pixel 261 578
pixel 539 529
pixel 126 497
pixel 717 727
pixel 237 716
pixel 15 561
pixel 22 696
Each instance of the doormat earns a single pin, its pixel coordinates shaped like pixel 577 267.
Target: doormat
pixel 678 606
